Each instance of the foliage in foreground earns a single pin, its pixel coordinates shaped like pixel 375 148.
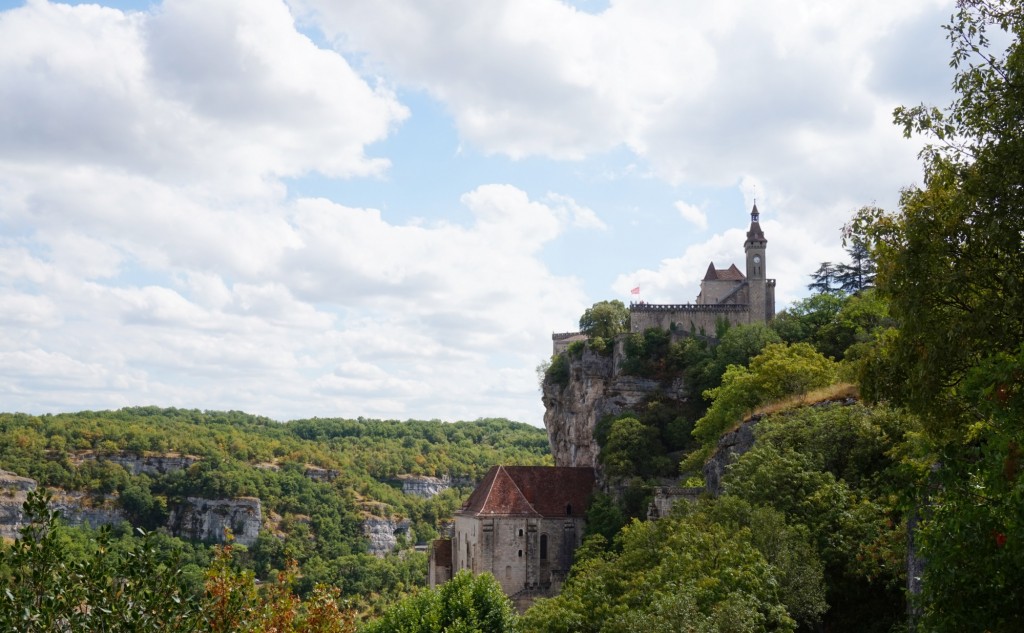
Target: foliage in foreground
pixel 138 591
pixel 950 266
pixel 687 572
pixel 464 604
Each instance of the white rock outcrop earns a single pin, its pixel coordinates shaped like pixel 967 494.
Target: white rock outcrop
pixel 382 534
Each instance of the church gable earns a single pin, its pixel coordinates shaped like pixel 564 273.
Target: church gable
pixel 532 491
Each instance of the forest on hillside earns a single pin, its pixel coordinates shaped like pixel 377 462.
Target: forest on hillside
pixel 318 480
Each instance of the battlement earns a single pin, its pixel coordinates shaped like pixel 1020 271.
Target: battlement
pixel 561 336
pixel 688 307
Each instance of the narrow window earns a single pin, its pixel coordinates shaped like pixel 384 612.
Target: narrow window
pixel 520 553
pixel 520 532
pixel 543 546
pixel 568 509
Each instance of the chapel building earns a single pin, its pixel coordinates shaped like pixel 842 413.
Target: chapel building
pixel 522 524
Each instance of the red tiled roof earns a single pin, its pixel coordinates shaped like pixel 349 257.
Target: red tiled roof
pixel 547 491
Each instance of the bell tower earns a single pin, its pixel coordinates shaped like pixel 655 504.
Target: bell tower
pixel 762 307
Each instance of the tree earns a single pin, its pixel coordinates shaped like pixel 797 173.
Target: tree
pixel 605 319
pixel 464 604
pixel 824 279
pixel 686 572
pixel 860 273
pixel 779 371
pixel 950 266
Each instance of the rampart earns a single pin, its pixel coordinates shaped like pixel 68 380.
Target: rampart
pixel 688 317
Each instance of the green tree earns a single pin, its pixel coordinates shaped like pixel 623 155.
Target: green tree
pixel 779 371
pixel 464 604
pixel 686 572
pixel 605 319
pixel 632 448
pixel 825 279
pixel 950 265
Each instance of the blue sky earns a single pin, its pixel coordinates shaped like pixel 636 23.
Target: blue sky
pixel 320 208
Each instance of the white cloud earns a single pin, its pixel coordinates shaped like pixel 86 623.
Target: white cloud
pixel 692 214
pixel 798 94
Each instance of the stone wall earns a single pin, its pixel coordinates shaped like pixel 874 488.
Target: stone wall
pixel 528 556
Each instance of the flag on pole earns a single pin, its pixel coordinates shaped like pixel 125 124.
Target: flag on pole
pixel 635 291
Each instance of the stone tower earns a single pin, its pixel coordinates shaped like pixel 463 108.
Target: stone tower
pixel 762 298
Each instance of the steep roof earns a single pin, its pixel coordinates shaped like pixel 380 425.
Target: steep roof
pixel 723 274
pixel 755 232
pixel 533 491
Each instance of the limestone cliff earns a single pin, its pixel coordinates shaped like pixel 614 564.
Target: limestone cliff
pixel 382 533
pixel 200 519
pixel 13 492
pixel 596 388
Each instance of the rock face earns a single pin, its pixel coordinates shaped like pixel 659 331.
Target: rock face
pixel 424 487
pixel 730 447
pixel 382 533
pixel 201 519
pixel 320 474
pixel 151 464
pixel 596 388
pixel 79 509
pixel 13 492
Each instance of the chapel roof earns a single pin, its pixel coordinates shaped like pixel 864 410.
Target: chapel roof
pixel 723 274
pixel 534 491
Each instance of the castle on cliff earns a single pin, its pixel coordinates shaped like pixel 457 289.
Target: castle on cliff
pixel 727 295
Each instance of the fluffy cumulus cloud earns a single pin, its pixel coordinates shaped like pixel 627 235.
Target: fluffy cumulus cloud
pixel 150 252
pixel 798 93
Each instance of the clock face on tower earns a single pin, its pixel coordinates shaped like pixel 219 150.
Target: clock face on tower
pixel 757 259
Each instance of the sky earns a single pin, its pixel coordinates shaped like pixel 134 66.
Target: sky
pixel 345 208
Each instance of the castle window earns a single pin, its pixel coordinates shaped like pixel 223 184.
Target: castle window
pixel 520 531
pixel 520 553
pixel 568 509
pixel 543 546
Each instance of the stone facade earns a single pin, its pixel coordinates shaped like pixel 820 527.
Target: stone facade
pixel 727 296
pixel 522 524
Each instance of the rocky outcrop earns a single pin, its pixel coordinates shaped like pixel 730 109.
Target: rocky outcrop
pixel 595 389
pixel 425 487
pixel 148 463
pixel 199 519
pixel 730 447
pixel 320 474
pixel 13 492
pixel 382 534
pixel 82 509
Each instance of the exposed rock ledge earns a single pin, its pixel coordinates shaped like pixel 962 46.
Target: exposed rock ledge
pixel 596 388
pixel 206 519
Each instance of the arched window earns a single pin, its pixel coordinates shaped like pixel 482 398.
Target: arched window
pixel 568 509
pixel 520 532
pixel 543 546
